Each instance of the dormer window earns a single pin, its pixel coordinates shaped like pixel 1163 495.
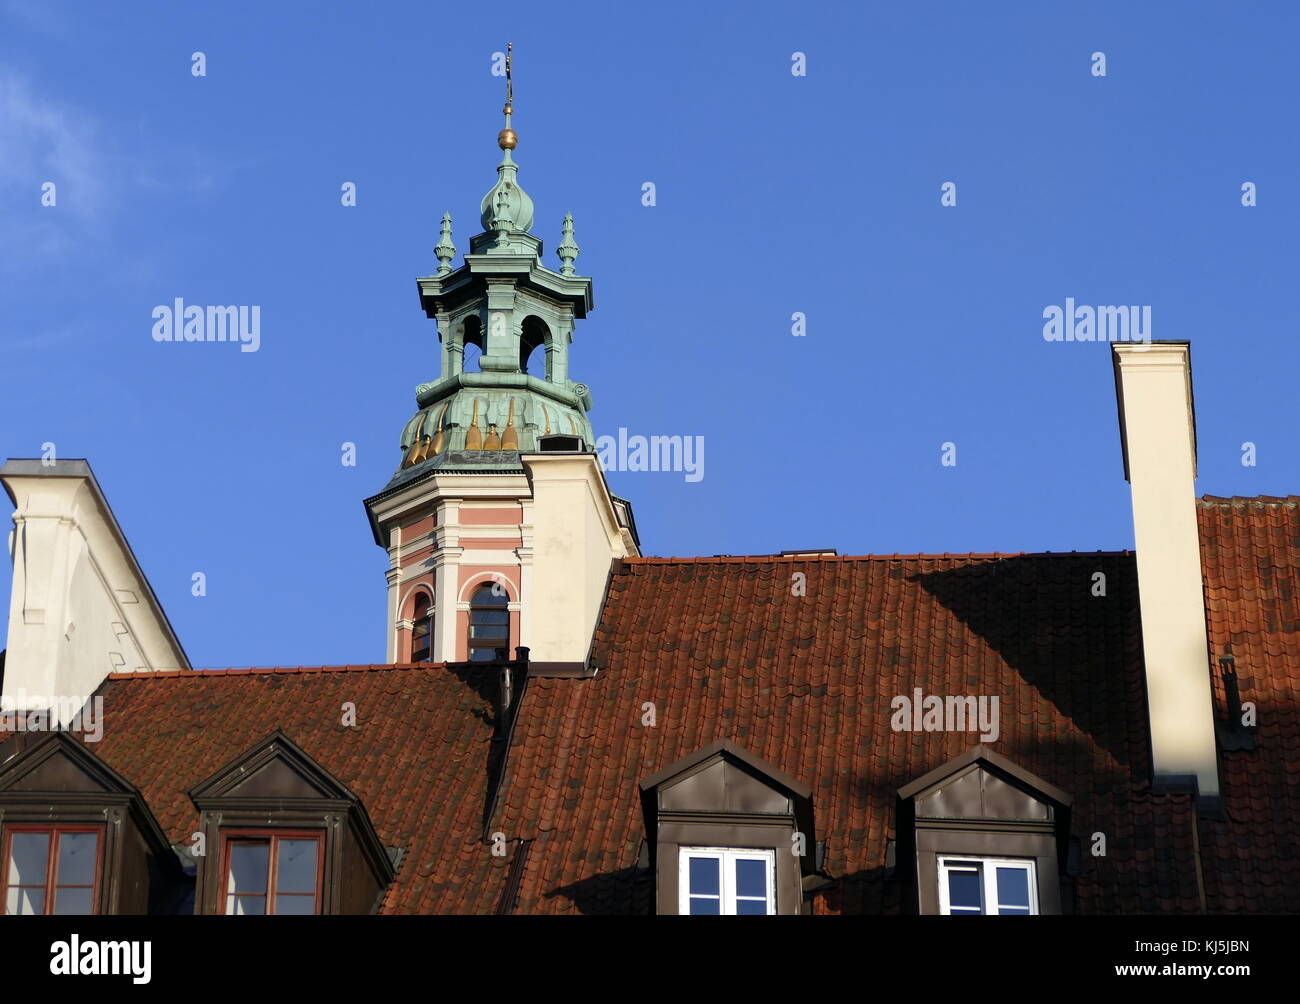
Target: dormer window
pixel 76 837
pixel 727 881
pixel 981 835
pixel 270 872
pixel 987 886
pixel 728 835
pixel 285 837
pixel 51 869
pixel 489 624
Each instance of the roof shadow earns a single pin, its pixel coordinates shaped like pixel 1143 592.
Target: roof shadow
pixel 1069 626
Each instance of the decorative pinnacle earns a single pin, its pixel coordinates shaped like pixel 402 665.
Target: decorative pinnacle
pixel 568 248
pixel 445 249
pixel 502 220
pixel 507 139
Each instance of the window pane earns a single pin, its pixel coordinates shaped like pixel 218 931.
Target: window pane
pixel 297 866
pixel 751 907
pixel 487 597
pixel 1013 889
pixel 25 902
pixel 751 878
pixel 706 877
pixel 70 902
pixel 1013 911
pixel 248 867
pixel 964 889
pixel 704 907
pixel 28 855
pixel 482 655
pixel 246 906
pixel 295 906
pixel 76 859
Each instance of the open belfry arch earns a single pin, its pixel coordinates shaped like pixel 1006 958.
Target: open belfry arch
pixel 498 501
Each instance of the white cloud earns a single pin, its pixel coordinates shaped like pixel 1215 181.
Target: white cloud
pixel 44 141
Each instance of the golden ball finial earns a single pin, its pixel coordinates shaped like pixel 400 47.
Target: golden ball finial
pixel 507 139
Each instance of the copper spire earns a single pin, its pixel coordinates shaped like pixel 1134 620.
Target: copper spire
pixel 507 139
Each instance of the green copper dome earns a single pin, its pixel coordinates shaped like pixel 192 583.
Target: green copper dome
pixel 507 207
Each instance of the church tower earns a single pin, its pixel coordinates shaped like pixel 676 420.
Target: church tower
pixel 498 523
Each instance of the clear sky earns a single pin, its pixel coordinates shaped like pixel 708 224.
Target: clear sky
pixel 775 194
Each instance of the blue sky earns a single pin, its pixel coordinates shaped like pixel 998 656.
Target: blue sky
pixel 775 194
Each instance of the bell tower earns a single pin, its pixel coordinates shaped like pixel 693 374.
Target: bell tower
pixel 499 526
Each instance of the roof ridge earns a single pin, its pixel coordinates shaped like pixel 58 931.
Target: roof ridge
pixel 1209 500
pixel 723 559
pixel 273 670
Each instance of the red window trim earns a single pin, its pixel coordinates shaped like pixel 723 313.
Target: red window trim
pixel 52 861
pixel 272 836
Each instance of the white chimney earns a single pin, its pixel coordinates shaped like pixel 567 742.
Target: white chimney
pixel 1153 382
pixel 80 606
pixel 577 534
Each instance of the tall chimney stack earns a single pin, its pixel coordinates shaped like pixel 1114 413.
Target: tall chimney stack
pixel 1153 381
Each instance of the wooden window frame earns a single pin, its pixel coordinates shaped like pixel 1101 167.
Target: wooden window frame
pixel 51 885
pixel 271 837
pixel 988 866
pixel 727 857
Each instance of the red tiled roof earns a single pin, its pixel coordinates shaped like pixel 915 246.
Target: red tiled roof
pixel 417 757
pixel 1250 549
pixel 726 650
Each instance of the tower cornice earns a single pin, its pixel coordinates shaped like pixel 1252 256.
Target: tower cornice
pixel 576 395
pixel 446 292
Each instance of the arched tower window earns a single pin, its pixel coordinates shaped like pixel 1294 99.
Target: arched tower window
pixel 532 348
pixel 471 340
pixel 489 624
pixel 421 628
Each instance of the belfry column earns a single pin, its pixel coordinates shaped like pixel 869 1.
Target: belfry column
pixel 443 321
pixel 560 341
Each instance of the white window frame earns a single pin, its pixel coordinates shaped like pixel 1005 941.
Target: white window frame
pixel 727 856
pixel 988 882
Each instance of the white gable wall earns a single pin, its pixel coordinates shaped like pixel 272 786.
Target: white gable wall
pixel 80 607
